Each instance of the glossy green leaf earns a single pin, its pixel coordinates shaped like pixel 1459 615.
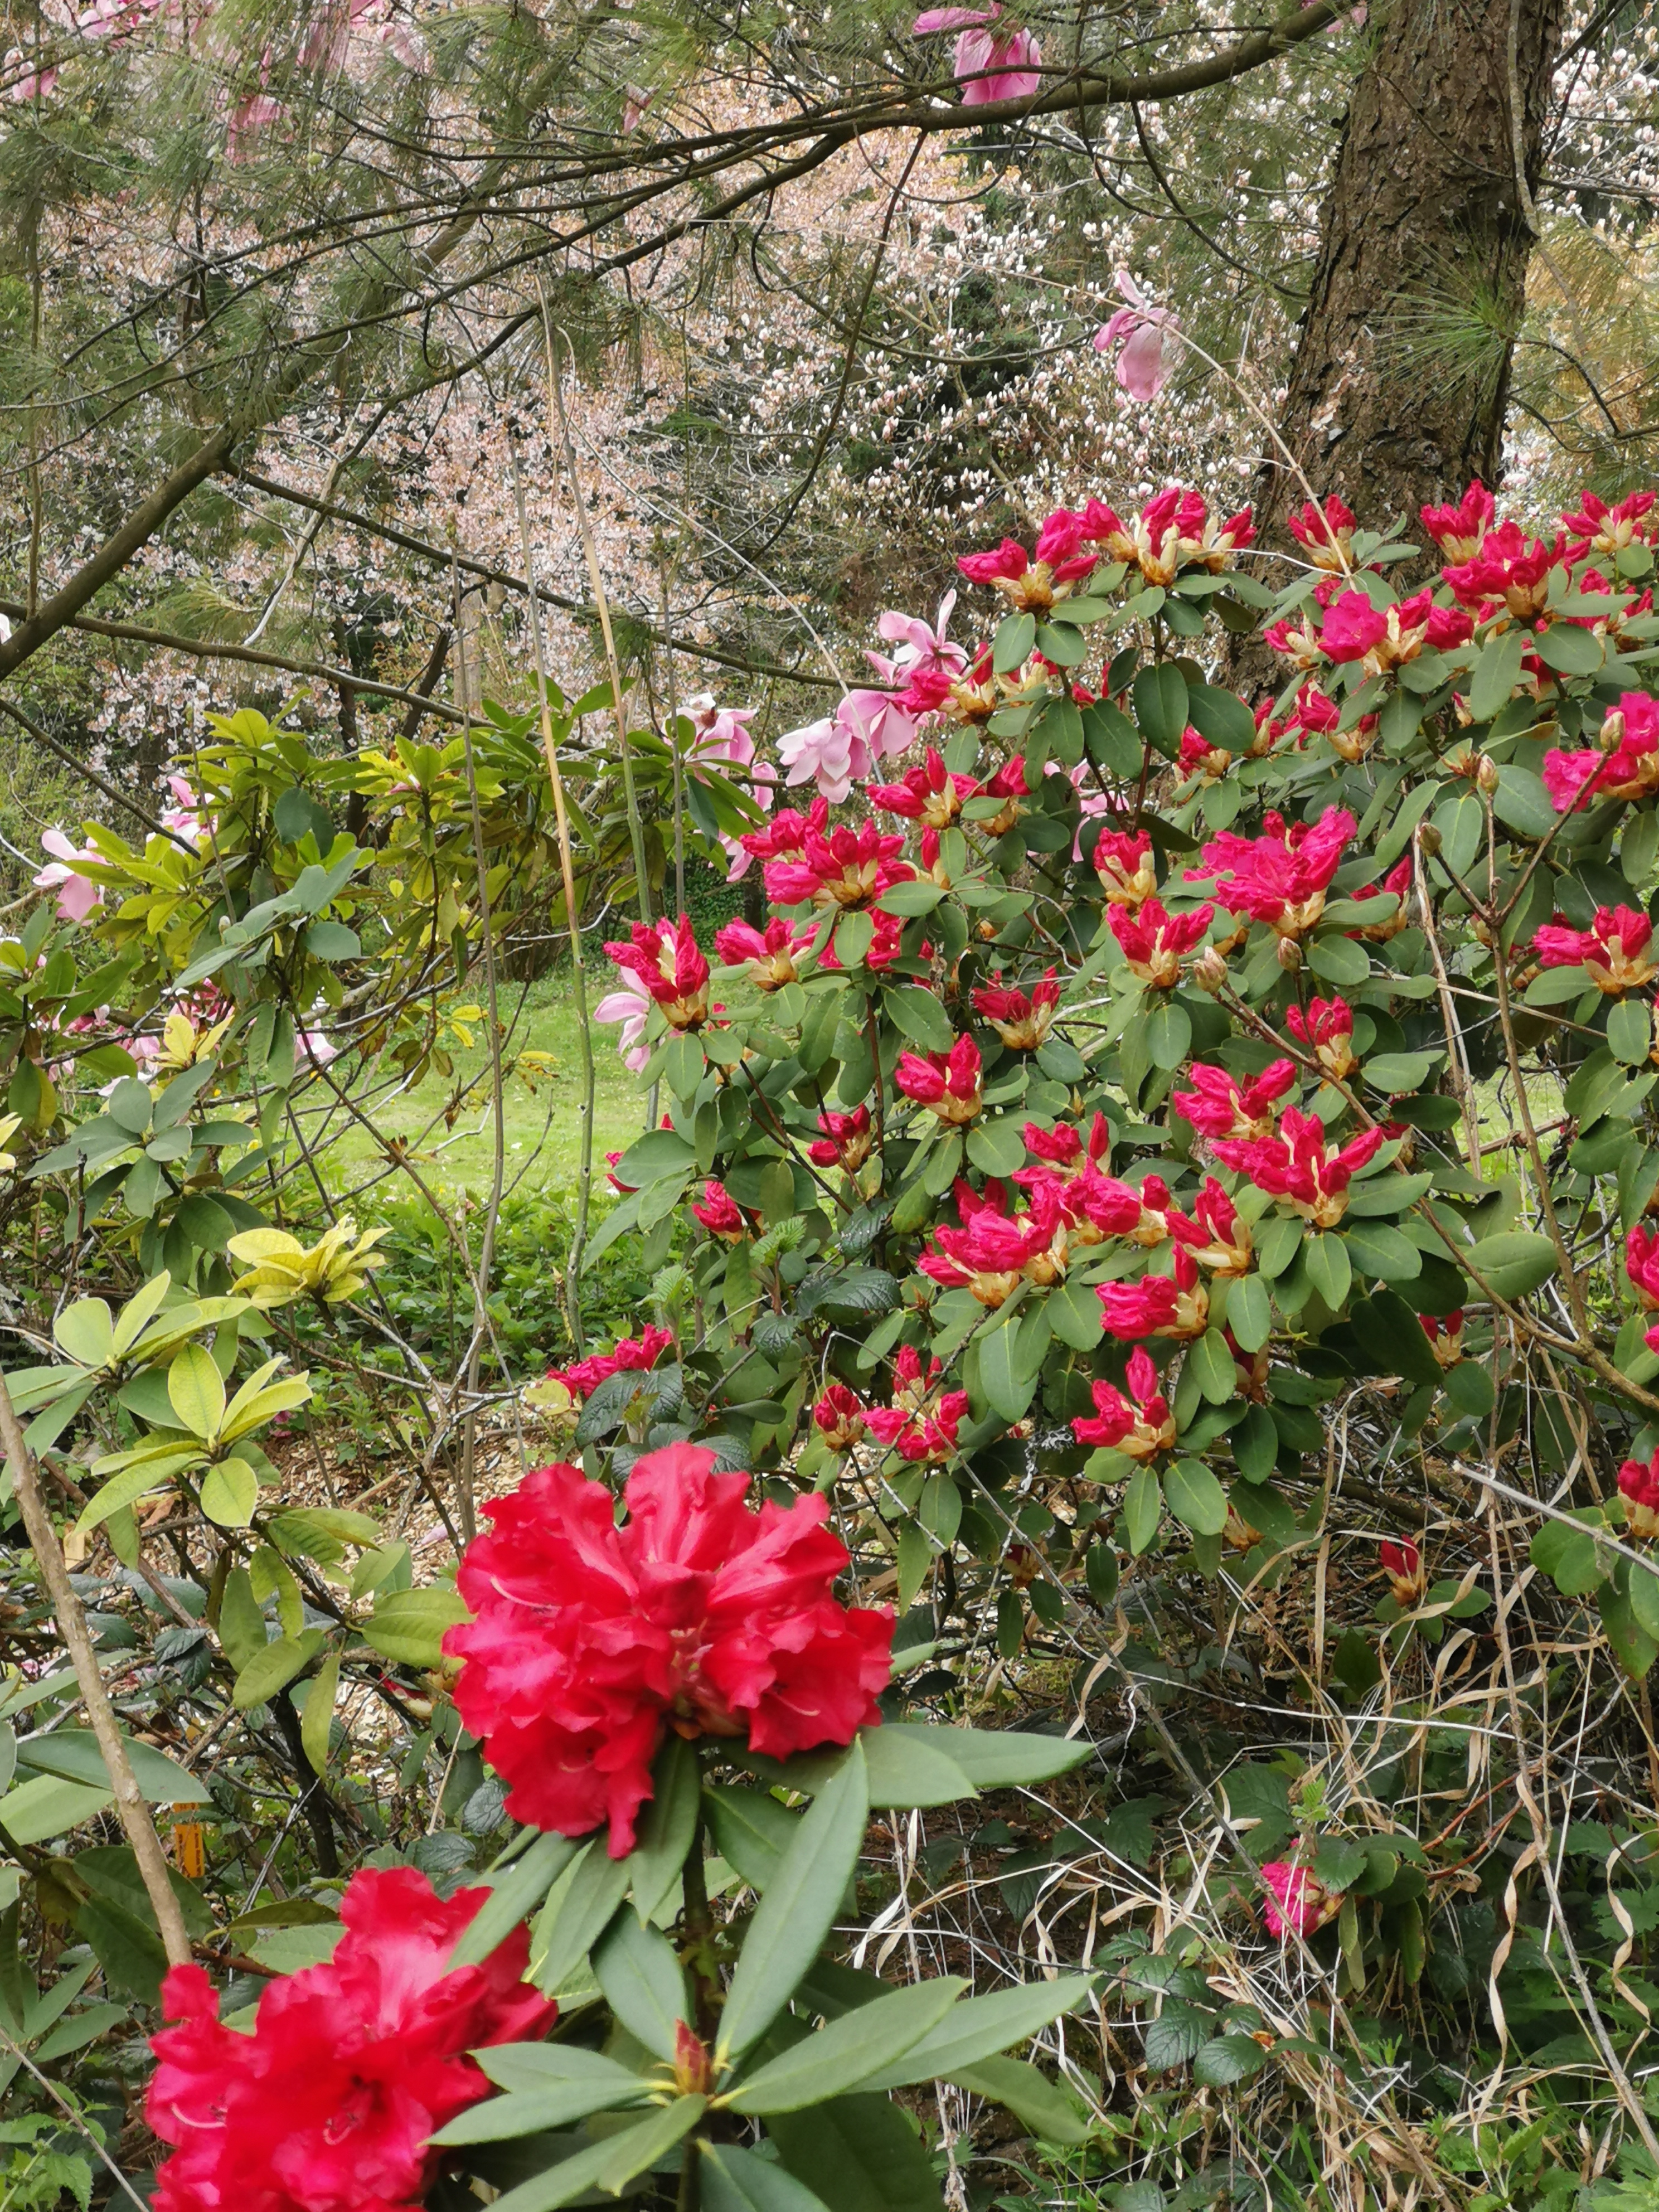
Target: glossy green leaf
pixel 736 2180
pixel 1143 1509
pixel 1514 1261
pixel 577 1914
pixel 848 2052
pixel 643 1984
pixel 979 2027
pixel 610 2165
pixel 275 1667
pixel 512 1897
pixel 666 1826
pixel 1195 1498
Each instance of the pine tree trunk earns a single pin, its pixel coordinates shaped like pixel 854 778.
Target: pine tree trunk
pixel 1425 228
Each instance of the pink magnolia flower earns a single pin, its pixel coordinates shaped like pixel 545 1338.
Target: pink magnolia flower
pixel 826 753
pixel 32 84
pixel 316 1047
pixel 878 720
pixel 1149 339
pixel 986 67
pixel 1614 949
pixel 628 1004
pixel 77 895
pixel 922 646
pixel 1139 1425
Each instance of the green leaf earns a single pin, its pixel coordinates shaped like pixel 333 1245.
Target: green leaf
pixel 1211 1364
pixel 1393 1338
pixel 1374 1249
pixel 1471 1390
pixel 912 1766
pixel 140 1310
pixel 1339 960
pixel 1568 648
pixel 610 2165
pixel 918 896
pixel 1566 1552
pixel 271 1670
pixel 980 2026
pixel 1398 1071
pixel 86 1331
pixel 1011 647
pixel 1255 1444
pixel 318 1719
pixel 519 2066
pixel 1515 1261
pixel 1168 1033
pixel 197 1392
pixel 409 1626
pixel 666 1826
pixel 73 1753
pixel 917 1015
pixel 144 1474
pixel 1249 1312
pixel 1630 1031
pixel 1075 1315
pixel 1221 717
pixel 1008 1391
pixel 643 1984
pixel 512 1899
pixel 736 2180
pixel 571 1925
pixel 859 2152
pixel 230 1491
pixel 682 1064
pixel 751 1829
pixel 1195 1498
pixel 1326 1258
pixel 867 2042
pixel 1226 2059
pixel 532 2112
pixel 1179 2033
pixel 1497 672
pixel 1645 1599
pixel 1049 2110
pixel 799 1908
pixel 1143 1509
pixel 1159 697
pixel 1522 802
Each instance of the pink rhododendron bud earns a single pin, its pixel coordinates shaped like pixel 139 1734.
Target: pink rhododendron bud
pixel 1299 1903
pixel 1140 1425
pixel 1402 1563
pixel 666 958
pixel 1326 1029
pixel 1174 1305
pixel 948 1083
pixel 1022 1019
pixel 1614 949
pixel 1219 1106
pixel 352 2064
pixel 847 1140
pixel 1639 1486
pixel 1216 1234
pixel 1326 531
pixel 720 1214
pixel 1281 877
pixel 1297 1165
pixel 712 1620
pixel 1290 955
pixel 1460 531
pixel 1154 943
pixel 1642 1264
pixel 839 1414
pixel 1147 337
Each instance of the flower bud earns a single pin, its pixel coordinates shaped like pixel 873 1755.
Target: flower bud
pixel 1485 774
pixel 1290 955
pixel 1209 970
pixel 1429 841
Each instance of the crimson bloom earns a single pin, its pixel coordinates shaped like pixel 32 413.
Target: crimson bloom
pixel 947 1082
pixel 1402 1563
pixel 664 957
pixel 1220 1106
pixel 1614 949
pixel 1458 530
pixel 1021 1019
pixel 719 1212
pixel 1154 943
pixel 1124 865
pixel 1299 1165
pixel 1175 1305
pixel 1326 1029
pixel 840 1417
pixel 1281 877
pixel 1508 568
pixel 1216 1233
pixel 590 1642
pixel 993 1250
pixel 630 1355
pixel 1609 529
pixel 352 2064
pixel 1326 531
pixel 846 1141
pixel 1626 767
pixel 1139 1425
pixel 1639 1486
pixel 847 869
pixel 769 954
pixel 1642 1264
pixel 1299 1900
pixel 1066 1149
pixel 929 793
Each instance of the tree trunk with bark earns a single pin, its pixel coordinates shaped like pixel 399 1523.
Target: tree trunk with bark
pixel 1425 237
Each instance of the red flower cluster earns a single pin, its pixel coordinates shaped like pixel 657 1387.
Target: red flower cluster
pixel 1282 876
pixel 1221 1107
pixel 665 959
pixel 1614 949
pixel 632 1355
pixel 1445 1335
pixel 1609 529
pixel 719 1212
pixel 1215 1233
pixel 920 1424
pixel 1139 1425
pixel 991 1250
pixel 846 1142
pixel 1175 1305
pixel 1174 531
pixel 1626 767
pixel 840 1417
pixel 1326 531
pixel 1639 1486
pixel 1384 638
pixel 351 2066
pixel 769 954
pixel 929 793
pixel 846 870
pixel 1124 865
pixel 1509 570
pixel 1022 1019
pixel 948 1083
pixel 1297 1165
pixel 591 1641
pixel 1300 1901
pixel 1402 1563
pixel 1397 881
pixel 1153 943
pixel 1326 1029
pixel 1458 530
pixel 1642 1264
pixel 1064 1148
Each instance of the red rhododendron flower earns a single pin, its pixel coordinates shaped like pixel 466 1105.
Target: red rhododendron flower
pixel 1399 882
pixel 666 958
pixel 1139 1425
pixel 1216 1233
pixel 590 1641
pixel 1154 943
pixel 1220 1106
pixel 719 1212
pixel 1627 766
pixel 846 1141
pixel 785 835
pixel 1297 1165
pixel 351 2066
pixel 1124 865
pixel 992 1250
pixel 1326 1029
pixel 1642 1264
pixel 631 1355
pixel 947 1082
pixel 1281 877
pixel 1458 531
pixel 1639 1486
pixel 1033 584
pixel 929 793
pixel 1614 949
pixel 1508 568
pixel 1326 531
pixel 847 869
pixel 1402 1563
pixel 769 954
pixel 1175 1305
pixel 1608 529
pixel 1021 1019
pixel 839 1414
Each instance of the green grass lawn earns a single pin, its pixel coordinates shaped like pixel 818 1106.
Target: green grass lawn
pixel 543 1141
